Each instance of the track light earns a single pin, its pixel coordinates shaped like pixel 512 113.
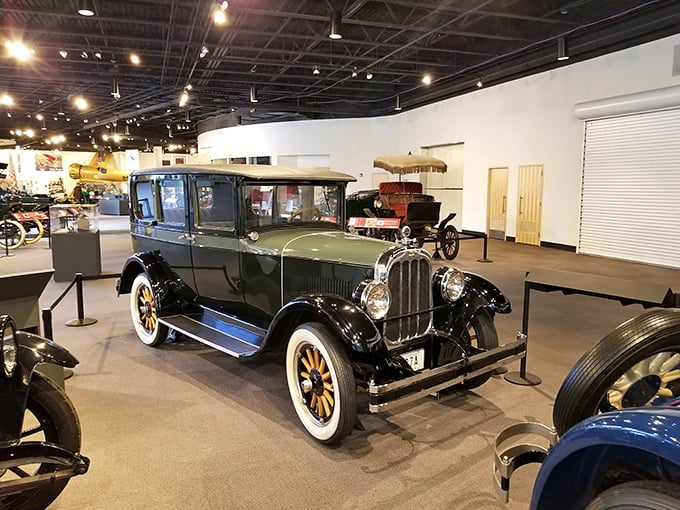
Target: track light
pixel 562 48
pixel 336 25
pixel 316 70
pixel 397 107
pixel 115 90
pixel 479 83
pixel 427 79
pixel 369 74
pixel 253 94
pixel 187 117
pixel 183 99
pixel 354 72
pixel 63 53
pixel 86 8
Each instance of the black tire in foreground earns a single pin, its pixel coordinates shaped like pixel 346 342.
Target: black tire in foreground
pixel 50 417
pixel 630 367
pixel 639 495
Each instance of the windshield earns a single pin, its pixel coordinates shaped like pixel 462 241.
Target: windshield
pixel 291 203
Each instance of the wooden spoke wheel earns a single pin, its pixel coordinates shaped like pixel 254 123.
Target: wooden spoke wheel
pixel 144 311
pixel 450 241
pixel 34 231
pixel 321 383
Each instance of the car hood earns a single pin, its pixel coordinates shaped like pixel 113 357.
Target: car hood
pixel 329 246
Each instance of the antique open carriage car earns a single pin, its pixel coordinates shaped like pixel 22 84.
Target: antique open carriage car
pixel 382 213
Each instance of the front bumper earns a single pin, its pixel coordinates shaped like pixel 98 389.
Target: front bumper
pixel 426 382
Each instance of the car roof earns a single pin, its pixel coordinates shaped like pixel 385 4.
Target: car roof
pixel 257 172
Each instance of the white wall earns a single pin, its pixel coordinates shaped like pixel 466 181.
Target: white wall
pixel 527 121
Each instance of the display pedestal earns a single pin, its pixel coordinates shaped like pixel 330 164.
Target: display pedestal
pixel 75 252
pixel 114 207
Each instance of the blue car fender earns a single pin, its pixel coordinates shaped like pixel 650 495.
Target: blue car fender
pixel 646 440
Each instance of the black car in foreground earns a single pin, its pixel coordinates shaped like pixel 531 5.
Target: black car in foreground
pixel 249 258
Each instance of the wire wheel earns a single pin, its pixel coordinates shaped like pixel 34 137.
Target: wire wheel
pixel 12 234
pixel 144 311
pixel 34 231
pixel 321 383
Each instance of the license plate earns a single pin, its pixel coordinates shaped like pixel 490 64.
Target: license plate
pixel 416 359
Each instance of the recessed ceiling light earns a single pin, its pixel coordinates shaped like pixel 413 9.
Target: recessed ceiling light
pixel 427 79
pixel 134 58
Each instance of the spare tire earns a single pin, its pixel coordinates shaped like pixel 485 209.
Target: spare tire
pixel 632 366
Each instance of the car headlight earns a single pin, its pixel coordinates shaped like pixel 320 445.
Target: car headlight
pixel 8 345
pixel 451 283
pixel 374 297
pixel 378 203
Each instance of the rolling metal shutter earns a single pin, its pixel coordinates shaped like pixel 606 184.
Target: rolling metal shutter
pixel 630 197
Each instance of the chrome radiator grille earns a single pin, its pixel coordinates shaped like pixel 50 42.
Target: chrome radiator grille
pixel 409 277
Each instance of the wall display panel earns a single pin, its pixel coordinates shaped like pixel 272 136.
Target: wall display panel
pixel 631 188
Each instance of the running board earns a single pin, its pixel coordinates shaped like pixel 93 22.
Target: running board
pixel 222 332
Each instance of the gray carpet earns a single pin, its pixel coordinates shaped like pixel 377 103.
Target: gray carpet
pixel 186 427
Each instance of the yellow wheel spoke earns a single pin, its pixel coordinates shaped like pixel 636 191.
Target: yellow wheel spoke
pixel 322 365
pixel 319 408
pixel 306 364
pixel 326 376
pixel 328 386
pixel 310 357
pixel 671 376
pixel 304 375
pixel 327 397
pixel 316 359
pixel 326 407
pixel 312 404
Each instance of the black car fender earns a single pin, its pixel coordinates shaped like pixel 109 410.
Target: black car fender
pixel 170 291
pixel 34 349
pixel 479 293
pixel 351 324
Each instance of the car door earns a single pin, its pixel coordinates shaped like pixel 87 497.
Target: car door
pixel 160 221
pixel 215 245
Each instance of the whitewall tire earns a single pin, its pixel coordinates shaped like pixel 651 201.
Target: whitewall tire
pixel 144 311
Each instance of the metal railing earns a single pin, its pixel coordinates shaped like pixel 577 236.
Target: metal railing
pixel 81 320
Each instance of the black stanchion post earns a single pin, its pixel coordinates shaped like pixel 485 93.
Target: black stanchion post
pixel 521 377
pixel 484 250
pixel 4 224
pixel 47 323
pixel 81 320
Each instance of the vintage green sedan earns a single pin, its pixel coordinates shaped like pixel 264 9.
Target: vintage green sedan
pixel 245 258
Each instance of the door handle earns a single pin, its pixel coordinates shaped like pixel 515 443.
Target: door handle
pixel 505 203
pixel 520 203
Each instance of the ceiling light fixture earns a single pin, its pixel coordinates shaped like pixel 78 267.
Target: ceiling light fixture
pixel 134 58
pixel 219 14
pixel 80 102
pixel 253 94
pixel 397 107
pixel 479 83
pixel 336 25
pixel 316 70
pixel 369 74
pixel 63 53
pixel 562 48
pixel 18 50
pixel 354 72
pixel 86 8
pixel 183 99
pixel 6 100
pixel 427 79
pixel 204 52
pixel 83 54
pixel 115 90
pixel 98 55
pixel 187 116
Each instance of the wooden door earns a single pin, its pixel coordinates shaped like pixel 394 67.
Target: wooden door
pixel 497 203
pixel 530 204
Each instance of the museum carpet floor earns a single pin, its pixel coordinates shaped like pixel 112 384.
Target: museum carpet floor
pixel 186 427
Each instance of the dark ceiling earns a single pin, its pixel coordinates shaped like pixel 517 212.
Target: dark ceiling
pixel 273 45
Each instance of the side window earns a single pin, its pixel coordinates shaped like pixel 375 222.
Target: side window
pixel 172 200
pixel 215 204
pixel 143 204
